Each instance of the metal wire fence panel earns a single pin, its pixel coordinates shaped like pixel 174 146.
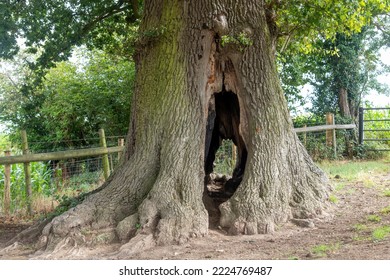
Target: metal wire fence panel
pixel 53 181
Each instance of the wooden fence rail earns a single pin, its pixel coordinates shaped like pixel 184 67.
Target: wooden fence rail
pixel 90 152
pixel 27 158
pixel 330 129
pixel 324 127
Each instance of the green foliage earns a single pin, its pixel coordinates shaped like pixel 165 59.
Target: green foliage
pixel 309 120
pixel 224 163
pixel 153 33
pixel 242 40
pixel 378 125
pixel 303 22
pixel 50 29
pixel 56 26
pixel 40 182
pixel 74 101
pixel 4 143
pixel 8 44
pixel 68 194
pixel 345 61
pixel 353 69
pixel 367 149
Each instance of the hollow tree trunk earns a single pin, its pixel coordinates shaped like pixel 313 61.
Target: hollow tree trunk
pixel 194 58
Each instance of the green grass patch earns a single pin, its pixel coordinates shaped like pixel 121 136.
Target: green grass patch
pixel 368 183
pixel 351 170
pixel 386 193
pixel 381 233
pixel 359 238
pixel 374 218
pixel 339 186
pixel 385 211
pixel 323 250
pixel 333 199
pixel 360 227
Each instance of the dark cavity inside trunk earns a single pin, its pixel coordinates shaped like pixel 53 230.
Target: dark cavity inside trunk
pixel 223 123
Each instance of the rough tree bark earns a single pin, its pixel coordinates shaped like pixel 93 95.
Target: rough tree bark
pixel 344 103
pixel 196 62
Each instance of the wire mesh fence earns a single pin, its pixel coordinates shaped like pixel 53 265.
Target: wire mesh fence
pixel 52 181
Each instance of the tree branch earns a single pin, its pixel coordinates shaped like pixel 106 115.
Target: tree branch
pixel 11 80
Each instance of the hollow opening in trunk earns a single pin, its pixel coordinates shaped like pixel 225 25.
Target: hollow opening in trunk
pixel 224 146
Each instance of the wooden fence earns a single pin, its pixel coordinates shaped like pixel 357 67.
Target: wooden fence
pixel 26 158
pixel 330 128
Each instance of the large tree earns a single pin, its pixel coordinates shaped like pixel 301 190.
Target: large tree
pixel 342 79
pixel 205 71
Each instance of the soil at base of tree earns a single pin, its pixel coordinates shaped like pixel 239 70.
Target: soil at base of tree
pixel 347 233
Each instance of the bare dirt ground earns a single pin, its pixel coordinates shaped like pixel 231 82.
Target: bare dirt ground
pixel 358 227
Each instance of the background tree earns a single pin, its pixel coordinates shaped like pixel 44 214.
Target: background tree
pixel 341 80
pixel 341 70
pixel 72 103
pixel 206 71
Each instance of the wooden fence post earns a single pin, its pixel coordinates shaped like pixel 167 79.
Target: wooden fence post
pixel 27 172
pixel 234 154
pixel 331 133
pixel 106 163
pixel 7 186
pixel 305 136
pixel 121 143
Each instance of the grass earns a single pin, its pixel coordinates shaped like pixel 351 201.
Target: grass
pixel 360 227
pixel 385 211
pixel 368 183
pixel 323 250
pixel 355 170
pixel 386 193
pixel 339 186
pixel 381 233
pixel 374 218
pixel 333 198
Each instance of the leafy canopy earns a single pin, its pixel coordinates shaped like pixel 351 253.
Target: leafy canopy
pixel 302 22
pixel 54 26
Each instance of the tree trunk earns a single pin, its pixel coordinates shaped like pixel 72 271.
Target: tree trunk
pixel 348 110
pixel 344 103
pixel 205 71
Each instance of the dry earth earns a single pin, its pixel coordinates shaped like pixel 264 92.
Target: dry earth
pixel 356 228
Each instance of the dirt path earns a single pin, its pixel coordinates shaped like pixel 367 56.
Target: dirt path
pixel 358 227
